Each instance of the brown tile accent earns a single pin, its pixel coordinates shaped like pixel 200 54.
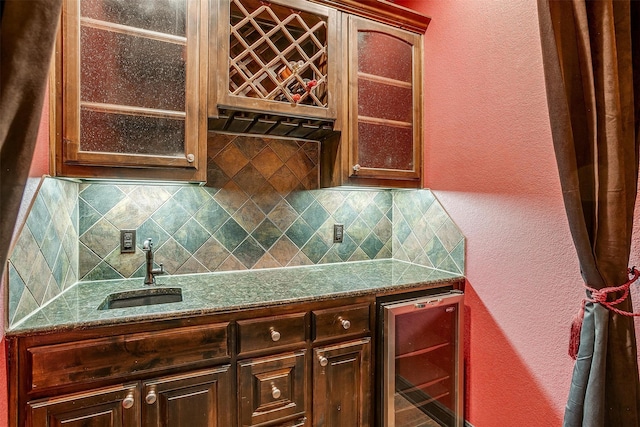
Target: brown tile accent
pixel 231 160
pixel 267 162
pixel 284 181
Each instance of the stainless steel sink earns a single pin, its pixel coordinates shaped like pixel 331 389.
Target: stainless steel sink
pixel 141 297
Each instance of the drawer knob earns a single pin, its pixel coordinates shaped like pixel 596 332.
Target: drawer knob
pixel 275 335
pixel 323 361
pixel 345 323
pixel 275 392
pixel 127 402
pixel 151 397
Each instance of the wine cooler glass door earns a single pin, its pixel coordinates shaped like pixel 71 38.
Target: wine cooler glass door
pixel 423 362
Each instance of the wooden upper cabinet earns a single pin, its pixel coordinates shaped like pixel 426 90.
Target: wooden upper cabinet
pixel 131 82
pixel 385 105
pixel 273 57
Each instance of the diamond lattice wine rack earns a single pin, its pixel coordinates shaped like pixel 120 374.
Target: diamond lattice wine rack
pixel 277 54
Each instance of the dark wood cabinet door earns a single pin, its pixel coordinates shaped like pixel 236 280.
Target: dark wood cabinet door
pixel 117 406
pixel 342 385
pixel 194 399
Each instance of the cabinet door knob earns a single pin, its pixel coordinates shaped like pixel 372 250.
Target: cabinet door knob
pixel 275 392
pixel 151 398
pixel 190 158
pixel 127 402
pixel 323 361
pixel 345 323
pixel 275 335
pixel 356 168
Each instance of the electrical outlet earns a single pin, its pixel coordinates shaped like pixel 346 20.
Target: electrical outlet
pixel 338 233
pixel 127 241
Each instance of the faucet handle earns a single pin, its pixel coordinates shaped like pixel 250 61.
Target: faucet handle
pixel 147 245
pixel 158 270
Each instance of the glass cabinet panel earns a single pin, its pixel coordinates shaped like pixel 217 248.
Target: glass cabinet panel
pixel 124 133
pixel 384 55
pixel 374 150
pixel 125 69
pixel 162 16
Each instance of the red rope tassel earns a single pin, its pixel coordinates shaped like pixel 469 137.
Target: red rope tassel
pixel 600 296
pixel 576 328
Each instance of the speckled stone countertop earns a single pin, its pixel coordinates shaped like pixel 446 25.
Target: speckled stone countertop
pixel 215 292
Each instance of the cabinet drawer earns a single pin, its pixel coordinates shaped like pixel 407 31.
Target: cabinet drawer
pixel 272 388
pixel 119 356
pixel 270 332
pixel 339 322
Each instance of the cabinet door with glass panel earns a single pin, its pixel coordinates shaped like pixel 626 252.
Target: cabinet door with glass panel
pixel 385 105
pixel 131 79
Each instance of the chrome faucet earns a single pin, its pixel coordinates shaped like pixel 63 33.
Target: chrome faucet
pixel 149 276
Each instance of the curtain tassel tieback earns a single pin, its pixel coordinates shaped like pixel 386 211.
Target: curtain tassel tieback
pixel 600 296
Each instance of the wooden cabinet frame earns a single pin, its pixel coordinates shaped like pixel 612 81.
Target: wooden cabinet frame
pixel 219 54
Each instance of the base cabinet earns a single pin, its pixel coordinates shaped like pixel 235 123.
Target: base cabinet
pixel 341 385
pixel 298 365
pixel 197 399
pixel 108 407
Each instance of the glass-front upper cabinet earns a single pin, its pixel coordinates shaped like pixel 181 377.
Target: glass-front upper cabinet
pixel 274 56
pixel 132 89
pixel 385 104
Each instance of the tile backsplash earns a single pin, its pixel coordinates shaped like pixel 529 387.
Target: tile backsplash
pixel 44 260
pixel 261 208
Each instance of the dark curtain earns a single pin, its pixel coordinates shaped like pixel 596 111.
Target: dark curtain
pixel 27 34
pixel 590 54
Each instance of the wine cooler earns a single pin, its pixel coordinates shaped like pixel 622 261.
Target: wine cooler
pixel 421 355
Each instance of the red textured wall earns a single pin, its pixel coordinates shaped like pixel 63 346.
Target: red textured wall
pixel 490 161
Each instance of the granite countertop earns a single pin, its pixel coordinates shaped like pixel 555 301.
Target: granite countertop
pixel 215 292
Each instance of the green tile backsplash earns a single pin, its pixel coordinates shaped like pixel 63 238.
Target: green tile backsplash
pixel 44 259
pixel 261 208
